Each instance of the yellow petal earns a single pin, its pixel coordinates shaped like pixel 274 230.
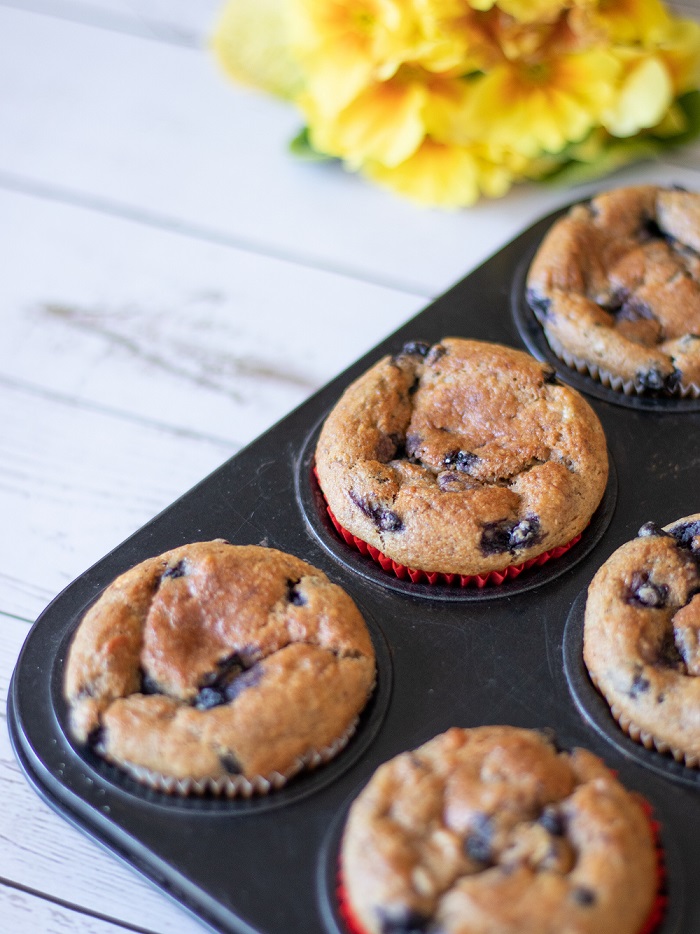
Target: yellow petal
pixel 438 175
pixel 645 97
pixel 251 42
pixel 544 106
pixel 383 123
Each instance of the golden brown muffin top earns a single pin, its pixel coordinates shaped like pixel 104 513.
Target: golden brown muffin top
pixel 202 662
pixel 463 457
pixel 641 646
pixel 494 829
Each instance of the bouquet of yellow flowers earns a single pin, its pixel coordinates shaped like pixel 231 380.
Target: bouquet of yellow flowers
pixel 447 100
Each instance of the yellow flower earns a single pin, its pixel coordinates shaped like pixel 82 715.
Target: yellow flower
pixel 447 100
pixel 529 11
pixel 680 49
pixel 252 44
pixel 530 107
pixel 627 21
pixel 388 120
pixel 438 174
pixel 342 45
pixel 645 94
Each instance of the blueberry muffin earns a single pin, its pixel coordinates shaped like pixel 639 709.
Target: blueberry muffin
pixel 462 458
pixel 216 666
pixel 494 829
pixel 642 637
pixel 616 287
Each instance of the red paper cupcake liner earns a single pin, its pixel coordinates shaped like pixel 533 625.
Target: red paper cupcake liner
pixel 416 576
pixel 656 915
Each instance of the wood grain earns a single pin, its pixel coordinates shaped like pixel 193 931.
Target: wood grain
pixel 173 142
pixel 39 851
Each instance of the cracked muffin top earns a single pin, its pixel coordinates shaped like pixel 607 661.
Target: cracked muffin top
pixel 616 284
pixel 642 637
pixel 215 660
pixel 495 829
pixel 463 458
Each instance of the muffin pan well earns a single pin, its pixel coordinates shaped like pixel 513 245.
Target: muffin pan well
pixel 262 866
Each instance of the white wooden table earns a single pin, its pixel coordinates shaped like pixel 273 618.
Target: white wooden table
pixel 172 284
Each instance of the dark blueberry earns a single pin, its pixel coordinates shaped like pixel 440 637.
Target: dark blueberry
pixel 460 460
pixel 388 521
pixel 226 670
pixel 402 921
pixel 96 738
pixel 384 519
pixel 640 685
pixel 149 685
pixel 651 229
pixel 660 698
pixel 230 763
pixel 685 535
pixel 216 685
pixel 87 690
pixel 644 592
pixel 619 297
pixel 655 380
pixel 388 447
pixel 449 481
pixel 650 379
pixel 539 304
pixel 634 309
pixel 177 570
pixel 651 529
pixel 477 844
pixel 413 443
pixel 553 821
pixel 525 532
pixel 248 679
pixel 672 380
pixel 207 698
pixel 550 376
pixel 436 351
pixel 295 596
pixel 507 535
pixel 495 538
pixel 415 349
pixel 669 656
pixel 362 505
pixel 584 896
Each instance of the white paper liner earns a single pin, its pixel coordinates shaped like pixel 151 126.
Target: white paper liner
pixel 235 786
pixel 617 383
pixel 647 739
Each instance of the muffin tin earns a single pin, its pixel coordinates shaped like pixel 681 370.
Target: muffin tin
pixel 446 656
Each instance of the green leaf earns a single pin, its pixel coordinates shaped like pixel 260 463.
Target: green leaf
pixel 690 105
pixel 597 156
pixel 301 147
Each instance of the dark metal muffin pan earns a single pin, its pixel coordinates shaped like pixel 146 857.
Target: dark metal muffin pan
pixel 267 865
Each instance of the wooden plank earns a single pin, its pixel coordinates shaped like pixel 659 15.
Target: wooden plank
pixel 25 913
pixel 196 336
pixel 41 852
pixel 175 143
pixel 176 21
pixel 75 482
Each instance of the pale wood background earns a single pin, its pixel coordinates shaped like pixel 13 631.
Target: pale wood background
pixel 172 284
